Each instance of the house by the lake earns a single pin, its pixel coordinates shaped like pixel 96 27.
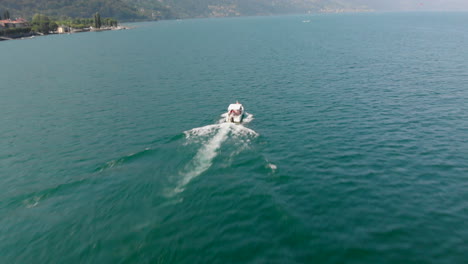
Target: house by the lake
pixel 18 23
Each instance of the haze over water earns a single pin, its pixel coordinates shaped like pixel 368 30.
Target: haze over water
pixel 113 149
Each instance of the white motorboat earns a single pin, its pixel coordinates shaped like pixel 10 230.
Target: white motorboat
pixel 235 113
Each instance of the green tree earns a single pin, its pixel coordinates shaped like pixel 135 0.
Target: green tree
pixel 43 24
pixel 110 22
pixel 97 20
pixel 6 14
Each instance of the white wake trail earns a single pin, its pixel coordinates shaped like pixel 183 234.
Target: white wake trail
pixel 204 157
pixel 211 137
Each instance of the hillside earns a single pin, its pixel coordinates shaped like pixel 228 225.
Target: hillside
pixel 120 9
pixel 209 8
pixel 169 9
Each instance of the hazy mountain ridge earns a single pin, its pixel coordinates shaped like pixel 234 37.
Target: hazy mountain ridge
pixel 170 9
pixel 215 8
pixel 70 8
pixel 416 5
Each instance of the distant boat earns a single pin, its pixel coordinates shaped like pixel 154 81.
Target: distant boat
pixel 235 113
pixel 305 21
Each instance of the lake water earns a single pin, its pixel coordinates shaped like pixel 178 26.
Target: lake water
pixel 355 148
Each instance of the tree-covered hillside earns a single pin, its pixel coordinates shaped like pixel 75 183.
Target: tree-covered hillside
pixel 206 8
pixel 71 8
pixel 168 9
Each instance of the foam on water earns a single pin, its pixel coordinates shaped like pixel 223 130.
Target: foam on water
pixel 272 166
pixel 204 157
pixel 211 137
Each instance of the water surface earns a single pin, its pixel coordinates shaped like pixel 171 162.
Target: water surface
pixel 113 149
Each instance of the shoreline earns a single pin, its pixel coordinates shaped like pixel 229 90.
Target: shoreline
pixel 31 35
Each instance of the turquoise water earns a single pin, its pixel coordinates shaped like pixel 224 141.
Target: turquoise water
pixel 112 148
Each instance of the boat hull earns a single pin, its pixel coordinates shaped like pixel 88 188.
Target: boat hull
pixel 235 113
pixel 235 118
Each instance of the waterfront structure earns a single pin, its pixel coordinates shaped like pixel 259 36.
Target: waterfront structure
pixel 18 23
pixel 63 29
